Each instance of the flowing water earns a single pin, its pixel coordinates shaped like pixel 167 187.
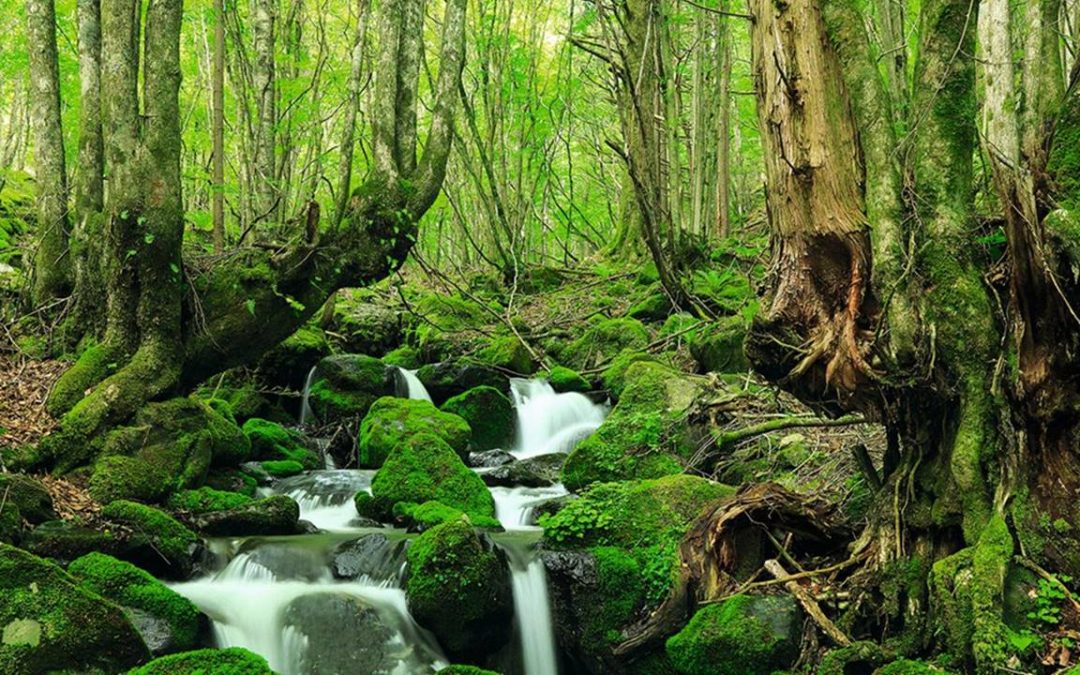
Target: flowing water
pixel 549 422
pixel 277 596
pixel 408 385
pixel 305 407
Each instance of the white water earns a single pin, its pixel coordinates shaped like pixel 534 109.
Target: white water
pixel 549 422
pixel 326 497
pixel 532 608
pixel 514 507
pixel 305 407
pixel 410 386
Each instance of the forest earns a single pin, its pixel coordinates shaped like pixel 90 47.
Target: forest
pixel 522 337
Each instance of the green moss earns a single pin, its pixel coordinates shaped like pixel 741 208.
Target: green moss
pixel 742 635
pixel 171 539
pixel 393 420
pixel 907 667
pixel 131 587
pixel 27 494
pixel 50 623
pixel 429 514
pixel 614 376
pixel 271 441
pixel 490 415
pixel 205 500
pixel 507 353
pixel 273 515
pixel 465 670
pixel 457 588
pixel 564 379
pixel 282 468
pixel 615 601
pixel 424 468
pixel 403 357
pixel 604 341
pixel 718 347
pixel 655 307
pixel 857 657
pixel 231 661
pixel 289 362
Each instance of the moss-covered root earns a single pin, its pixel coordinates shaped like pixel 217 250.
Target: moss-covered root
pixel 967 590
pixel 231 661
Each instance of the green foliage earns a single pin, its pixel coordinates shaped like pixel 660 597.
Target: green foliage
pixel 230 661
pixel 1048 601
pixel 393 420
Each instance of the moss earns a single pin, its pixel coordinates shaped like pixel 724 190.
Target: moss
pixel 429 514
pixel 490 416
pixel 424 468
pixel 171 539
pixel 231 661
pixel 205 500
pixel 616 599
pixel 907 667
pixel 563 379
pixel 131 587
pixel 403 357
pixel 457 588
pixel 244 402
pixel 614 376
pixel 282 468
pixel 271 441
pixel 347 385
pixel 288 363
pixel 273 515
pixel 861 656
pixel 604 341
pixel 465 670
pixel 743 635
pixel 655 307
pixel 50 623
pixel 27 494
pixel 718 347
pixel 393 420
pixel 507 353
pixel 643 437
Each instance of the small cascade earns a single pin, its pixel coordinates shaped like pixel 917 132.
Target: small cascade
pixel 408 385
pixel 326 497
pixel 305 407
pixel 515 507
pixel 549 422
pixel 532 608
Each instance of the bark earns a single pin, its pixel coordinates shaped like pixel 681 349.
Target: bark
pixel 218 130
pixel 52 265
pixel 348 132
pixel 263 25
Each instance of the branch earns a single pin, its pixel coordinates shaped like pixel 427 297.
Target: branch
pixel 809 604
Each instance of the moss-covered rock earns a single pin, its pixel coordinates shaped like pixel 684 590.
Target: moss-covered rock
pixel 539 471
pixel 281 468
pixel 169 446
pixel 231 661
pixel 157 542
pixel 278 514
pixel 288 363
pixel 507 353
pixel 167 621
pixel 602 342
pixel 655 307
pixel 490 416
pixel 563 379
pixel 744 635
pixel 451 378
pixel 49 623
pixel 645 436
pixel 614 376
pixel 465 670
pixel 243 403
pixel 206 500
pixel 28 495
pixel 403 357
pixel 271 441
pixel 393 420
pixel 366 327
pixel 425 468
pixel 718 347
pixel 458 589
pixel 422 517
pixel 346 385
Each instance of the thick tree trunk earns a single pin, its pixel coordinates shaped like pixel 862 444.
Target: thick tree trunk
pixel 264 17
pixel 52 264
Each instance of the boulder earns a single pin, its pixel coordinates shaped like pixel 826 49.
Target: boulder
pixel 373 556
pixel 232 661
pixel 458 588
pixel 450 378
pixel 271 441
pixel 718 347
pixel 508 354
pixel 28 495
pixel 271 516
pixel 206 500
pixel 49 623
pixel 602 342
pixel 563 379
pixel 540 471
pixel 490 416
pixel 490 458
pixel 154 540
pixel 346 385
pixel 394 420
pixel 367 328
pixel 288 364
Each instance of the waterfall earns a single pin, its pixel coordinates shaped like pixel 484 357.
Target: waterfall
pixel 549 422
pixel 305 407
pixel 514 507
pixel 532 608
pixel 408 385
pixel 326 497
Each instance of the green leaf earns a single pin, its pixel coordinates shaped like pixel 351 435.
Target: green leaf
pixel 250 304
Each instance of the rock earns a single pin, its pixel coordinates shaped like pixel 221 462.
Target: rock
pixel 29 495
pixel 490 458
pixel 346 385
pixel 286 560
pixel 540 471
pixel 274 515
pixel 281 468
pixel 614 376
pixel 206 500
pixel 367 328
pixel 393 420
pixel 230 661
pixel 718 347
pixel 423 517
pixel 448 379
pixel 458 588
pixel 169 446
pixel 51 624
pixel 372 556
pixel 424 468
pixel 602 342
pixel 743 635
pixel 507 353
pixel 167 621
pixel 490 415
pixel 564 380
pixel 656 307
pixel 645 436
pixel 403 357
pixel 271 441
pixel 157 542
pixel 288 364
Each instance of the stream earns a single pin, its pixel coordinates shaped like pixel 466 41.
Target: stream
pixel 279 597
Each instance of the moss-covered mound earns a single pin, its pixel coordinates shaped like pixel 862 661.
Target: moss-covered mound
pixel 346 385
pixel 458 589
pixel 281 468
pixel 274 515
pixel 156 542
pixel 466 670
pixel 744 635
pixel 603 342
pixel 425 468
pixel 507 353
pixel 28 495
pixel 614 376
pixel 169 446
pixel 271 441
pixel 288 364
pixel 563 379
pixel 49 623
pixel 422 517
pixel 231 661
pixel 718 346
pixel 393 420
pixel 644 436
pixel 451 378
pixel 148 599
pixel 206 500
pixel 490 415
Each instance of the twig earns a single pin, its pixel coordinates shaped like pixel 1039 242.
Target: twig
pixel 808 603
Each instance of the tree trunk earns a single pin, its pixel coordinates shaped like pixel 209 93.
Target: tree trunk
pixel 348 131
pixel 218 130
pixel 264 17
pixel 52 264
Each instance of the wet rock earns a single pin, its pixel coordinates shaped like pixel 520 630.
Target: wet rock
pixel 285 560
pixel 448 379
pixel 541 471
pixel 490 458
pixel 373 556
pixel 274 515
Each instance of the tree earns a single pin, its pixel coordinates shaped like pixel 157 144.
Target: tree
pixel 170 325
pixel 877 300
